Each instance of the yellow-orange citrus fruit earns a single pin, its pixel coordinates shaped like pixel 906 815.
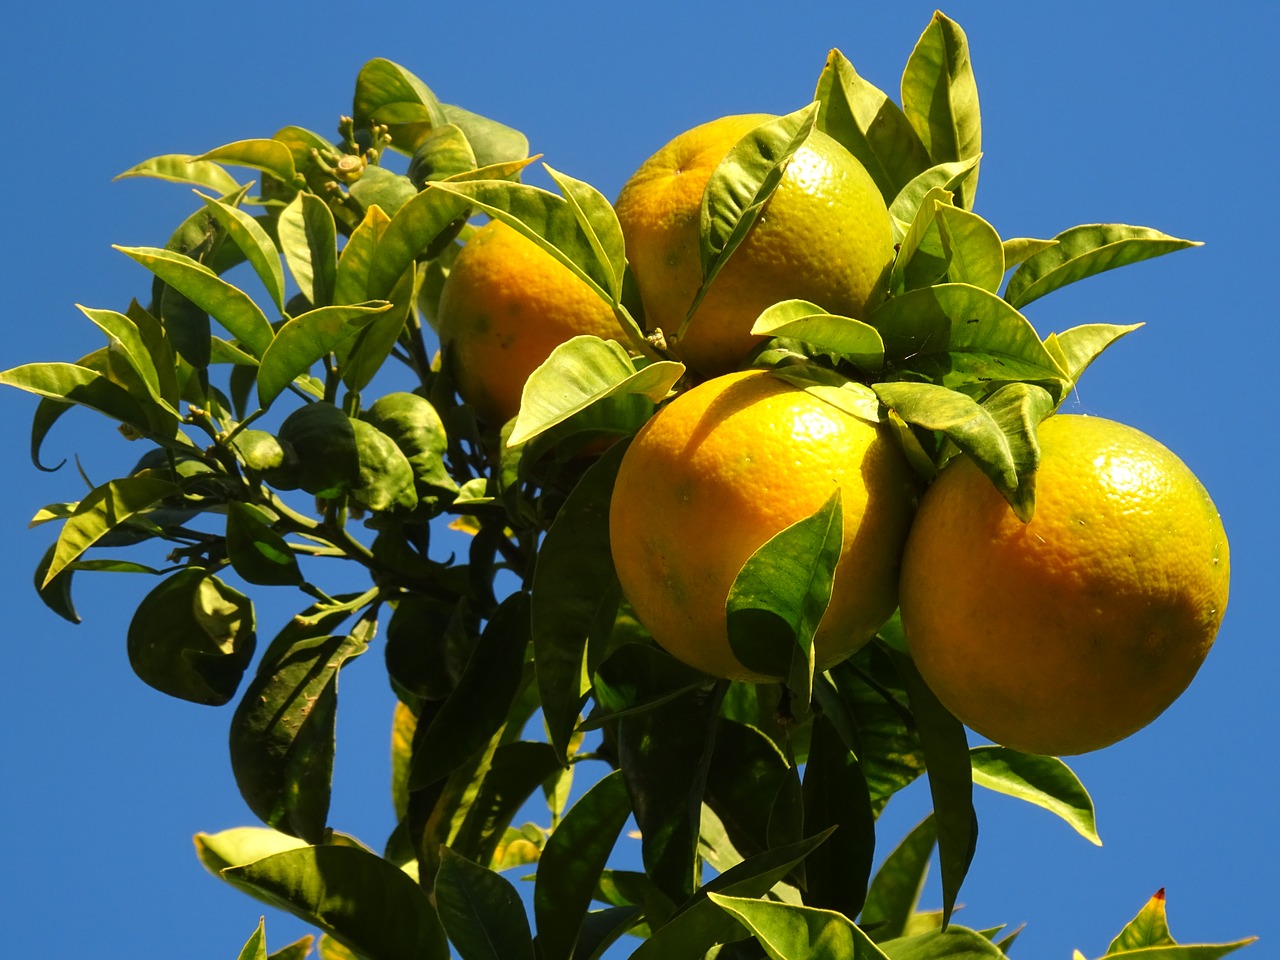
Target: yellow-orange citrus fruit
pixel 1068 633
pixel 504 307
pixel 720 470
pixel 824 236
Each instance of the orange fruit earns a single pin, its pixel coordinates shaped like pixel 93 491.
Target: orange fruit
pixel 504 307
pixel 721 469
pixel 824 236
pixel 1068 633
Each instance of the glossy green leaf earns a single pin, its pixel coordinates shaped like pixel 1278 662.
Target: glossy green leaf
pixel 415 427
pixel 700 923
pixel 269 156
pixel 572 862
pixel 382 188
pixel 359 898
pixel 955 334
pixel 574 584
pixel 1045 781
pixel 1084 251
pixel 76 384
pixel 895 890
pixel 258 248
pixel 1018 250
pixel 842 337
pixel 922 258
pixel 855 399
pixel 1075 349
pixel 387 93
pixel 192 637
pixel 668 810
pixel 1150 928
pixel 869 125
pixel 257 553
pixel 127 339
pixel 411 231
pixel 478 706
pixel 300 949
pixel 361 357
pixel 229 305
pixel 779 597
pixel 184 168
pixel 241 845
pixel 946 753
pixel 305 339
pixel 308 240
pixel 481 912
pixel 491 142
pixel 945 177
pixel 282 733
pixel 836 796
pixel 954 943
pixel 442 153
pixel 351 281
pixel 579 229
pixel 739 187
pixel 102 510
pixel 975 254
pixel 580 372
pixel 788 932
pixel 940 98
pixel 385 482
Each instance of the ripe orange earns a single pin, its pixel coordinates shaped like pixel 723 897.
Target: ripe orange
pixel 720 470
pixel 1068 633
pixel 505 306
pixel 824 236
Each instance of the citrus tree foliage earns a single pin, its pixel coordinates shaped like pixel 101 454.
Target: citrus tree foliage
pixel 277 374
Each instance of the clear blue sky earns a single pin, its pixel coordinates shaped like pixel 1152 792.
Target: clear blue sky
pixel 1125 112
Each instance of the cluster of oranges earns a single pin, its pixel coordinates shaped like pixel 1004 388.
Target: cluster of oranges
pixel 1055 636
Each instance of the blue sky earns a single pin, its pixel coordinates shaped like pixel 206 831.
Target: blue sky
pixel 1118 112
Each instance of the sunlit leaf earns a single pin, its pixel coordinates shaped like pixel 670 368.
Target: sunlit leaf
pixel 414 227
pixel 842 337
pixel 351 281
pixel 491 142
pixel 308 240
pixel 305 339
pixel 945 177
pixel 922 258
pixel 940 98
pixel 789 932
pixel 1021 249
pixel 383 188
pixel 1084 251
pixel 895 890
pixel 387 93
pixel 258 248
pixel 1045 781
pixel 184 168
pixel 954 943
pixel 975 254
pixel 72 383
pixel 1076 348
pixel 257 552
pixel 102 510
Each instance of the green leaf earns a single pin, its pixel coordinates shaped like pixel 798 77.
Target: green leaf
pixel 269 156
pixel 779 597
pixel 572 862
pixel 411 231
pixel 102 510
pixel 514 772
pixel 700 923
pixel 258 248
pixel 1084 251
pixel 415 427
pixel 127 340
pixel 668 809
pixel 959 335
pixel 282 733
pixel 442 153
pixel 255 947
pixel 300 949
pixel 869 125
pixel 975 254
pixel 944 177
pixel 229 305
pixel 574 585
pixel 922 258
pixel 836 796
pixel 579 229
pixel 308 239
pixel 841 337
pixel 351 280
pixel 478 706
pixel 481 911
pixel 895 890
pixel 192 637
pixel 387 93
pixel 72 383
pixel 491 142
pixel 583 371
pixel 1045 781
pixel 357 897
pixel 954 943
pixel 382 188
pixel 940 98
pixel 746 772
pixel 946 755
pixel 1075 349
pixel 362 357
pixel 740 186
pixel 241 845
pixel 789 932
pixel 307 338
pixel 184 168
pixel 1021 249
pixel 1149 928
pixel 257 553
pixel 1196 951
